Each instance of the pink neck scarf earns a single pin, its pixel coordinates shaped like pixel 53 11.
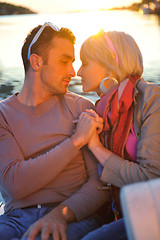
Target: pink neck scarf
pixel 116 109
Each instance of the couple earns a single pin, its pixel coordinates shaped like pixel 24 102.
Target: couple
pixel 51 139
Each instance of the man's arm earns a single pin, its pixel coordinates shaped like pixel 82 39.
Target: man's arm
pixel 17 174
pixel 79 205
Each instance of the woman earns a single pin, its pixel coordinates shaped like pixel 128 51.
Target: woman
pixel 129 150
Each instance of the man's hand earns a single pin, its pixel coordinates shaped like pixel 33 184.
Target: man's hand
pixel 54 223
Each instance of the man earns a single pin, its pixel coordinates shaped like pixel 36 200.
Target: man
pixel 44 174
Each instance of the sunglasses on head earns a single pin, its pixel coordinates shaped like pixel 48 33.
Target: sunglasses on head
pixel 54 27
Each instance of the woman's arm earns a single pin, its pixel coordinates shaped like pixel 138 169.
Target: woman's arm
pixel 120 172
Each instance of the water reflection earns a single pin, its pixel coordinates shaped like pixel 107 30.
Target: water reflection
pixel 6 90
pixel 10 84
pixel 76 87
pixel 13 30
pixel 158 19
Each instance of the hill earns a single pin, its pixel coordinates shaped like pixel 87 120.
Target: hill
pixel 10 9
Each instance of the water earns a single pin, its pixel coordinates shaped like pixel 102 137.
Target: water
pixel 13 30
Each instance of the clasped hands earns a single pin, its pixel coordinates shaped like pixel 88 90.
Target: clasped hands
pixel 88 126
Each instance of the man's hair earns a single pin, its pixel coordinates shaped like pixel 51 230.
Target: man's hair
pixel 42 45
pixel 129 55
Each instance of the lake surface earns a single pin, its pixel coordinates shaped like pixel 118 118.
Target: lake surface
pixel 13 29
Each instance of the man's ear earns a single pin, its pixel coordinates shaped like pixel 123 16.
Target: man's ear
pixel 36 62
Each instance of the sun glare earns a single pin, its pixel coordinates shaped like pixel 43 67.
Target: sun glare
pixel 93 5
pixel 91 23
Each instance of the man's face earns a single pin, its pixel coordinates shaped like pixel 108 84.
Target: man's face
pixel 57 73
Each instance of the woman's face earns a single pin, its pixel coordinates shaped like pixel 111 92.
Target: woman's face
pixel 91 73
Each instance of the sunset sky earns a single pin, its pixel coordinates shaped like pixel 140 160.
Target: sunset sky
pixel 51 6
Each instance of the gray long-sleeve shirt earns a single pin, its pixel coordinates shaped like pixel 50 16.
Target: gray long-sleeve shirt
pixel 39 163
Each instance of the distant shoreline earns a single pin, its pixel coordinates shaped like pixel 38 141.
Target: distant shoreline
pixel 133 7
pixel 142 6
pixel 11 9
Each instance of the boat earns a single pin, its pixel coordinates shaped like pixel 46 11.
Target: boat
pixel 1 208
pixel 151 8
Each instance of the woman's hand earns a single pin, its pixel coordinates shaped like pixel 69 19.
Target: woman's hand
pixel 95 146
pixel 94 141
pixel 97 118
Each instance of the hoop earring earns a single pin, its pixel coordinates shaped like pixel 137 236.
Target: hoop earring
pixel 106 84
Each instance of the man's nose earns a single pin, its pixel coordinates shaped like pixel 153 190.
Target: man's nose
pixel 72 72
